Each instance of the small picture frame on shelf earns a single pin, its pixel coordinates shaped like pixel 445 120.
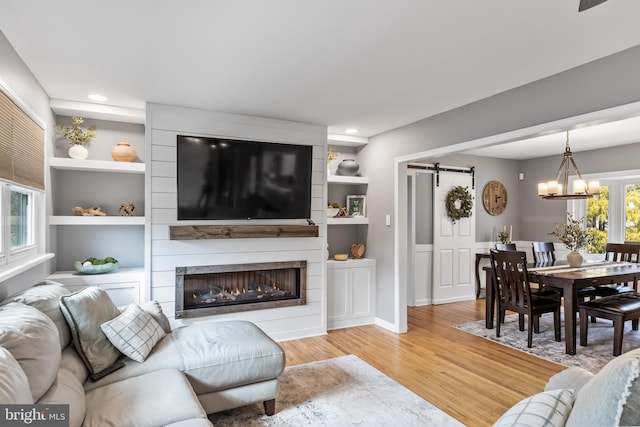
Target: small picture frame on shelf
pixel 357 206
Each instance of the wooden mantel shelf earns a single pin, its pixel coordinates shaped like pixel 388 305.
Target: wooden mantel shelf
pixel 200 232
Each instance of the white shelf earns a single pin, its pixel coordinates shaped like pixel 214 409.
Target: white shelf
pixel 96 220
pixel 121 274
pixel 347 221
pixel 350 263
pixel 347 140
pixel 348 180
pixel 64 163
pixel 90 110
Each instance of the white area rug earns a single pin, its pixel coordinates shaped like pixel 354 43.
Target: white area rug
pixel 344 391
pixel 592 357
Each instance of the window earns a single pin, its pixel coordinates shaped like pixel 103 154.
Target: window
pixel 18 238
pixel 614 215
pixel 597 218
pixel 22 223
pixel 21 184
pixel 632 213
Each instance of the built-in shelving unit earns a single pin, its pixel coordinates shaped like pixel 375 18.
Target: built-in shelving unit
pixel 99 181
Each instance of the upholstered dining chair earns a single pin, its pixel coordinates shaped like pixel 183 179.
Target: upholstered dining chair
pixel 543 252
pixel 628 252
pixel 513 293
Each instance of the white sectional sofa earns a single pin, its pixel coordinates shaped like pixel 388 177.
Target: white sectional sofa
pixel 49 355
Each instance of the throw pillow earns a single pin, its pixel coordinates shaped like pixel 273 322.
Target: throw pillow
pixel 85 311
pixel 134 333
pixel 612 396
pixel 32 339
pixel 45 296
pixel 14 384
pixel 154 309
pixel 548 408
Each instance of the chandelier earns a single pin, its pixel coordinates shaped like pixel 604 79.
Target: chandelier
pixel 559 190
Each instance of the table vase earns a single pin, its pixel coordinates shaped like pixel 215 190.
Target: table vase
pixel 574 259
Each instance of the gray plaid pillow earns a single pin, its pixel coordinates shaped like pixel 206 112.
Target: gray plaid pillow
pixel 134 333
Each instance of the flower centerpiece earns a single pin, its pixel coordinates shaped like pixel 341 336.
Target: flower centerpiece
pixel 575 237
pixel 504 236
pixel 77 137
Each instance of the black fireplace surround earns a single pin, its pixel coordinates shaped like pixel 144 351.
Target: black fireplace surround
pixel 217 289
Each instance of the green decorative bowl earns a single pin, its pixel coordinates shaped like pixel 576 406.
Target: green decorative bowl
pixel 95 269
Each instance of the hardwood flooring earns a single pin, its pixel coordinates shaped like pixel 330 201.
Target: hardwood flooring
pixel 472 379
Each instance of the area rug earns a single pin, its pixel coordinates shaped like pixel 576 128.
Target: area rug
pixel 344 391
pixel 592 357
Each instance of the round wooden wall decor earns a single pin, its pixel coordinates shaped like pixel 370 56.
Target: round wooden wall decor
pixel 494 197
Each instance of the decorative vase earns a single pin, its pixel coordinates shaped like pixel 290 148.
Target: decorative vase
pixel 332 212
pixel 574 259
pixel 78 152
pixel 348 167
pixel 123 152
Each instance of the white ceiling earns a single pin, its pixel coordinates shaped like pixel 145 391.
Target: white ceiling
pixel 601 135
pixel 372 65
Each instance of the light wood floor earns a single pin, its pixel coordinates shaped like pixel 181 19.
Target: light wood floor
pixel 472 379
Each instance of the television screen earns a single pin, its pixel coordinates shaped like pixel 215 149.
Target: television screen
pixel 226 179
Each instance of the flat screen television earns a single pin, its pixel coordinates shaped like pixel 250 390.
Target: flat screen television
pixel 228 179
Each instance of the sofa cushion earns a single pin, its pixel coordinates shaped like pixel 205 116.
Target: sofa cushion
pixel 14 384
pixel 84 312
pixel 161 398
pixel 213 355
pixel 66 389
pixel 33 340
pixel 45 296
pixel 134 332
pixel 612 396
pixel 548 408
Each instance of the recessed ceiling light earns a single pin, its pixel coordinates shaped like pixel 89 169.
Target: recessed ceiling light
pixel 96 97
pixel 351 131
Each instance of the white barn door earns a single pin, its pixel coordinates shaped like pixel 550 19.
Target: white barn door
pixel 453 244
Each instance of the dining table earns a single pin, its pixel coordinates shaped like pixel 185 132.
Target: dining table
pixel 569 280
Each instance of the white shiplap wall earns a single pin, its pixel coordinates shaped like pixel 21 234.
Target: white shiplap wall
pixel 164 123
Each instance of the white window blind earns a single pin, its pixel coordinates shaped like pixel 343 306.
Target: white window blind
pixel 21 146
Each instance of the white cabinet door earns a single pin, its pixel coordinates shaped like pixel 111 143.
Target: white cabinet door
pixel 351 293
pixel 337 294
pixel 361 292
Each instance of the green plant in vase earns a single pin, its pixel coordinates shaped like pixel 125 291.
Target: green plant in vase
pixel 575 237
pixel 77 137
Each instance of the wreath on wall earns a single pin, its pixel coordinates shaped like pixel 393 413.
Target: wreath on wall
pixel 459 203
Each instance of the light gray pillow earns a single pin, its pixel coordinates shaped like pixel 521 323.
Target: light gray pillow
pixel 14 384
pixel 85 311
pixel 154 309
pixel 134 333
pixel 33 341
pixel 45 296
pixel 612 396
pixel 548 408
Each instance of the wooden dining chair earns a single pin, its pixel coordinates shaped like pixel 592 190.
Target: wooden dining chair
pixel 628 252
pixel 506 246
pixel 513 293
pixel 543 252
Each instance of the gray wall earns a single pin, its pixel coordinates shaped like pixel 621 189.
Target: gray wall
pixel 15 74
pixel 605 83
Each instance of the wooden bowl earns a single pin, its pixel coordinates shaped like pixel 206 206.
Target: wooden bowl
pixel 340 257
